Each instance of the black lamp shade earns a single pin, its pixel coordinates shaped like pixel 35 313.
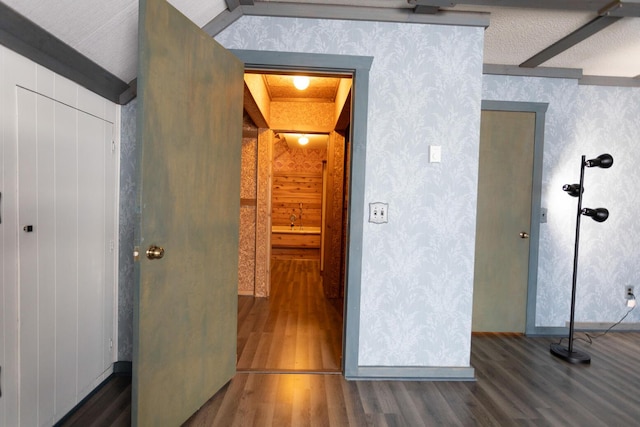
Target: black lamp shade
pixel 603 161
pixel 598 214
pixel 572 189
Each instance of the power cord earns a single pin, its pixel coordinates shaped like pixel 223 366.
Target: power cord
pixel 590 338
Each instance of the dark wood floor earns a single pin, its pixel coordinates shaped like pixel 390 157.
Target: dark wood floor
pixel 296 328
pixel 108 406
pixel 518 381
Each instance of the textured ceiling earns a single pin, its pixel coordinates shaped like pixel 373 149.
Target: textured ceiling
pixel 517 34
pixel 106 30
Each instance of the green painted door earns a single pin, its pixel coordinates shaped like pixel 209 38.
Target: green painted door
pixel 190 93
pixel 505 180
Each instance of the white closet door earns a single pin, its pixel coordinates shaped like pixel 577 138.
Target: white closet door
pixel 66 193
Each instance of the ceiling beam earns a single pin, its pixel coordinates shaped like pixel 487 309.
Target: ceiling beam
pixel 549 72
pixel 626 8
pixel 352 13
pixel 570 40
pixel 577 5
pixel 622 8
pixel 609 81
pixel 233 4
pixel 428 10
pixel 31 41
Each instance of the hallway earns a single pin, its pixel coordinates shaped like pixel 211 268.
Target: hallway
pixel 296 328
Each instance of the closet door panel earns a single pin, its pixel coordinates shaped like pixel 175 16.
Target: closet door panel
pixel 27 249
pixel 46 259
pixel 66 226
pixel 91 249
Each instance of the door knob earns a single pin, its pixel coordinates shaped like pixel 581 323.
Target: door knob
pixel 155 252
pixel 524 235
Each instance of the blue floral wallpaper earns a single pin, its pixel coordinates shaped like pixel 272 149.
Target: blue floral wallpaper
pixel 417 277
pixel 588 120
pixel 127 216
pixel 424 89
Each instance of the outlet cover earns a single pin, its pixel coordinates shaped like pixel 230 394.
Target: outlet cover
pixel 629 292
pixel 543 215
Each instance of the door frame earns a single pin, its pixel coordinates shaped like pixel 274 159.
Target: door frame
pixel 540 109
pixel 358 67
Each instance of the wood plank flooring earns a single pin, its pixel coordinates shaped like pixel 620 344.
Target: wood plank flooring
pixel 110 405
pixel 518 383
pixel 296 328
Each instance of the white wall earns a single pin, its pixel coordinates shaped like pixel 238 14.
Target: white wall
pixel 424 89
pixel 59 174
pixel 588 120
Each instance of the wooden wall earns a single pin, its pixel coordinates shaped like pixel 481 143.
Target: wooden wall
pixel 288 192
pixel 292 189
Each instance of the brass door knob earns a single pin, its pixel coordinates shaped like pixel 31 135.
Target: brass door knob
pixel 524 235
pixel 155 252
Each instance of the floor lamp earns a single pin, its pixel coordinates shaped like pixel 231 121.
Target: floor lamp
pixel 599 215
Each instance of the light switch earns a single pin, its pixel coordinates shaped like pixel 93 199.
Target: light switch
pixel 378 212
pixel 435 153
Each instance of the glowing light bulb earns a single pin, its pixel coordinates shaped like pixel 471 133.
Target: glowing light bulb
pixel 301 82
pixel 303 140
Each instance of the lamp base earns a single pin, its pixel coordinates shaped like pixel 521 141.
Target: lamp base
pixel 574 356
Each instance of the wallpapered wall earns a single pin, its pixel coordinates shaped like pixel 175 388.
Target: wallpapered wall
pixel 127 218
pixel 588 120
pixel 424 88
pixel 417 270
pixel 298 160
pixel 248 185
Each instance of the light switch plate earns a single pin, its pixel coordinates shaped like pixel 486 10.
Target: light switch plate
pixel 378 212
pixel 435 154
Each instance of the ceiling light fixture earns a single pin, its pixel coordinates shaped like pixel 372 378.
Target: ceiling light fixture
pixel 303 140
pixel 301 82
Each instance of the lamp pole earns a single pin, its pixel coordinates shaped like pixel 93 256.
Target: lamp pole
pixel 599 215
pixel 575 266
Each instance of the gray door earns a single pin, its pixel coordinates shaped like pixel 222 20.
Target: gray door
pixel 189 127
pixel 503 221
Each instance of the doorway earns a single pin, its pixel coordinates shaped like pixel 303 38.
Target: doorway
pixel 294 213
pixel 508 217
pixel 359 67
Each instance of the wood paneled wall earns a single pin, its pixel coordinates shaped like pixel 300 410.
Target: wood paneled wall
pixel 292 189
pixel 333 238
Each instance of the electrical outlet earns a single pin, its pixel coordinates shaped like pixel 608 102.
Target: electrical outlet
pixel 629 292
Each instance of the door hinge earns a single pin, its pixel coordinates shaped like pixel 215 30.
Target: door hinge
pixel 110 343
pixel 111 246
pixel 113 147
